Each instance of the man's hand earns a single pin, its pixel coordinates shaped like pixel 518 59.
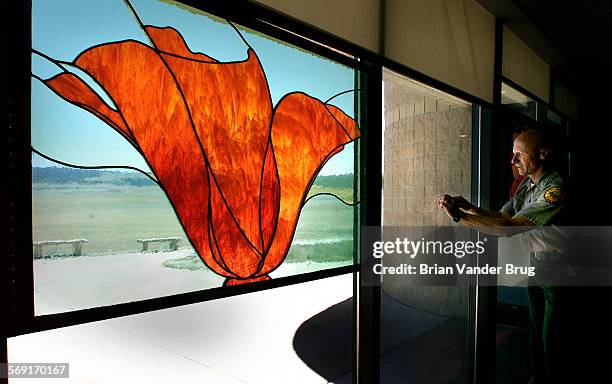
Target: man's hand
pixel 491 222
pixel 446 203
pixel 461 203
pixel 455 207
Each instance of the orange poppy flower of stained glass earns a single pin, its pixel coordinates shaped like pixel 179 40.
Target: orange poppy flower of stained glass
pixel 235 170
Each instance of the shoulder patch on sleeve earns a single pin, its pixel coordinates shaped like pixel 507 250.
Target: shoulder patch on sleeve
pixel 554 195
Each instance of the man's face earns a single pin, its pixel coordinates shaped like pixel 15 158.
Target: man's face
pixel 525 156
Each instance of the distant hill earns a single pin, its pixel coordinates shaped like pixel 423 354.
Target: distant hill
pixel 335 181
pixel 64 175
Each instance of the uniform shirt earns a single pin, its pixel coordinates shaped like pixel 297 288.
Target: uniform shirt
pixel 542 203
pixel 539 202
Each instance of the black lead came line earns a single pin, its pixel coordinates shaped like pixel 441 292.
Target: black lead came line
pixel 39 153
pixel 191 120
pixel 239 34
pixel 158 51
pixel 342 93
pixel 332 195
pixel 96 81
pixel 180 90
pixel 134 144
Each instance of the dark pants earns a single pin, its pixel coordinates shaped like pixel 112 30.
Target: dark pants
pixel 549 330
pixel 568 336
pixel 569 329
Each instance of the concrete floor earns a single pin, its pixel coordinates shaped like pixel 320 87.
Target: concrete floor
pixel 241 339
pixel 295 334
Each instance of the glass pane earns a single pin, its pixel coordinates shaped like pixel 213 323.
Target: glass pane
pixel 174 151
pixel 301 333
pixel 427 152
pixel 518 101
pixel 553 118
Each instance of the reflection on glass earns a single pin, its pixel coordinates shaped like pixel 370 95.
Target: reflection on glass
pixel 212 161
pixel 427 152
pixel 518 101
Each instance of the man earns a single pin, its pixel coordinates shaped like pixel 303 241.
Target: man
pixel 518 179
pixel 539 201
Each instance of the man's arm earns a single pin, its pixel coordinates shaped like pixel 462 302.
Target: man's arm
pixel 471 209
pixel 501 225
pixel 491 222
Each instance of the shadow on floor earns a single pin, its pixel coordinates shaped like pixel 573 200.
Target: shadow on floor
pixel 325 341
pixel 416 346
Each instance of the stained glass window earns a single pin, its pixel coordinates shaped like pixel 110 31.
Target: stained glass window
pixel 175 151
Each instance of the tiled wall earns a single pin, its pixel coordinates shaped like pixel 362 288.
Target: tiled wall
pixel 428 145
pixel 427 152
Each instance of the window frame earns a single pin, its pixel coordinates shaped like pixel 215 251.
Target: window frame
pixel 19 263
pixel 366 310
